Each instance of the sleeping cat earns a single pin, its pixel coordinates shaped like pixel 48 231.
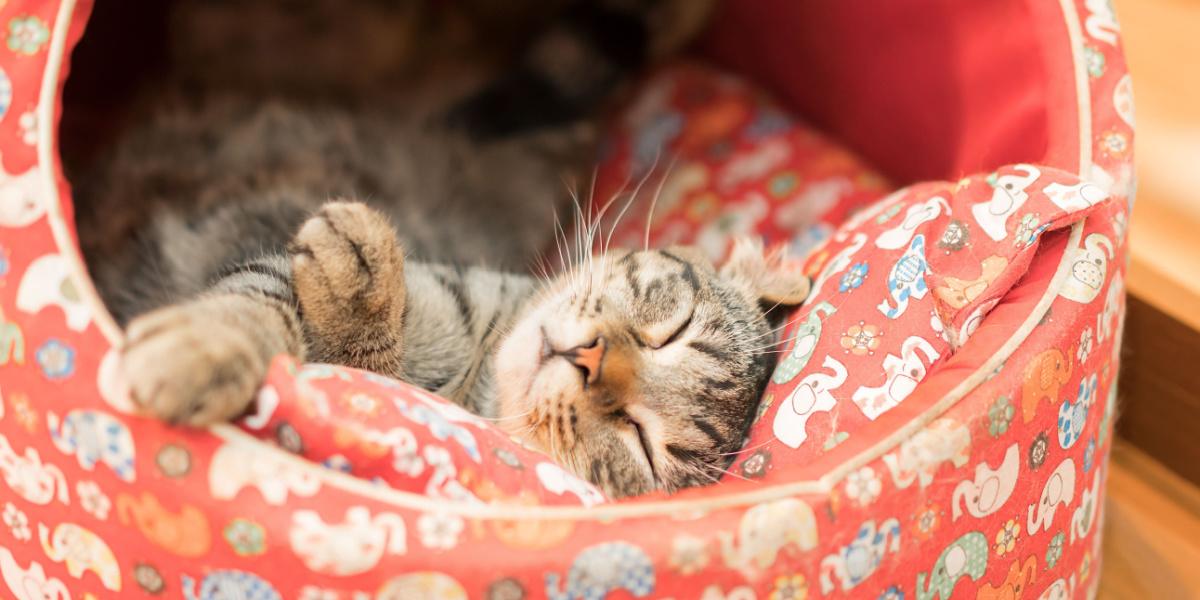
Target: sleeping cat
pixel 638 370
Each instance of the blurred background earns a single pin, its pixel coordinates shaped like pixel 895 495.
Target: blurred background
pixel 1152 542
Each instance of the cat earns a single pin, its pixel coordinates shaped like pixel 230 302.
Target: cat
pixel 638 370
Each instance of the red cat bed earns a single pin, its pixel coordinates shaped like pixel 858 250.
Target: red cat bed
pixel 939 422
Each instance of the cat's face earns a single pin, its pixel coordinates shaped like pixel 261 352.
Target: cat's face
pixel 641 370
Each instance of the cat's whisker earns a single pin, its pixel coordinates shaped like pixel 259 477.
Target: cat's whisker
pixel 633 197
pixel 727 472
pixel 654 201
pixel 750 449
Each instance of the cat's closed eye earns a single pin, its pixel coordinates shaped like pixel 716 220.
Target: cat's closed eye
pixel 674 335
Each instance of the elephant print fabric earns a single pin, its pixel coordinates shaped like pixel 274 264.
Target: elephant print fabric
pixel 933 428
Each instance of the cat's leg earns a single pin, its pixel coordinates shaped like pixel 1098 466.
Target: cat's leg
pixel 202 361
pixel 348 269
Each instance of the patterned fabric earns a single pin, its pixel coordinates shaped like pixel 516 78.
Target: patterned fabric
pixel 985 481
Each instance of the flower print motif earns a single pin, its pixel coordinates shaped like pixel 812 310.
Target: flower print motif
pixel 1038 450
pixel 893 592
pixel 148 578
pixel 853 277
pixel 1114 144
pixel 1000 416
pixel 17 522
pixel 790 587
pixel 756 466
pixel 311 592
pixel 863 486
pixel 505 589
pixel 508 458
pixel 56 359
pixel 1028 229
pixel 926 521
pixel 288 438
pixel 23 411
pixel 173 460
pixel 1089 455
pixel 1054 551
pixel 27 35
pixel 1085 345
pixel 1095 61
pixel 783 184
pixel 439 531
pixel 28 122
pixel 362 405
pixel 861 339
pixel 92 500
pixel 246 537
pixel 955 237
pixel 1006 537
pixel 338 462
pixel 688 555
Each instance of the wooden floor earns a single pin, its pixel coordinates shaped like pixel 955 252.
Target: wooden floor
pixel 1152 531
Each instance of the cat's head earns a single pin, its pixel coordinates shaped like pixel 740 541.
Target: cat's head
pixel 642 370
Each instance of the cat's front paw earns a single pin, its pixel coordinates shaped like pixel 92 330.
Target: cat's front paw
pixel 184 367
pixel 348 269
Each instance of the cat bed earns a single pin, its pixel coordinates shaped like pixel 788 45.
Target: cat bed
pixel 939 423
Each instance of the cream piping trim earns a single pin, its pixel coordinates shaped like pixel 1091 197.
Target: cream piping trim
pixel 1083 96
pixel 409 500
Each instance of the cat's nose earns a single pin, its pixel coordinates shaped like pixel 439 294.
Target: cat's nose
pixel 588 358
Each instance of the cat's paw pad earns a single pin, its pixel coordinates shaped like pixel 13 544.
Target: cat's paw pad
pixel 347 258
pixel 185 368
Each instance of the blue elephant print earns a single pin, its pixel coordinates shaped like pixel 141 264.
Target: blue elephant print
pixel 94 437
pixel 807 336
pixel 906 279
pixel 1072 416
pixel 441 427
pixel 602 569
pixel 229 585
pixel 966 556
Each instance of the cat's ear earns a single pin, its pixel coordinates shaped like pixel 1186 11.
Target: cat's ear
pixel 770 277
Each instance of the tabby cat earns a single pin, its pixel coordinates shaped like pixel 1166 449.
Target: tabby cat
pixel 639 370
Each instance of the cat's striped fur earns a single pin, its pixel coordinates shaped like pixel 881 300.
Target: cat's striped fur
pixel 639 370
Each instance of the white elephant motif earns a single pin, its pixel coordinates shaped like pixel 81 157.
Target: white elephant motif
pixel 1107 319
pixel 81 550
pixel 906 280
pixel 1089 265
pixel 1059 589
pixel 736 220
pixel 990 489
pixel 555 479
pixel 47 282
pixel 918 458
pixel 1008 195
pixel 93 437
pixel 856 561
pixel 235 466
pixel 839 262
pixel 1059 489
pixel 1101 22
pixel 765 530
pixel 902 374
pixel 916 215
pixel 765 158
pixel 353 546
pixel 31 479
pixel 1085 514
pixel 31 583
pixel 23 197
pixel 813 394
pixel 1074 198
